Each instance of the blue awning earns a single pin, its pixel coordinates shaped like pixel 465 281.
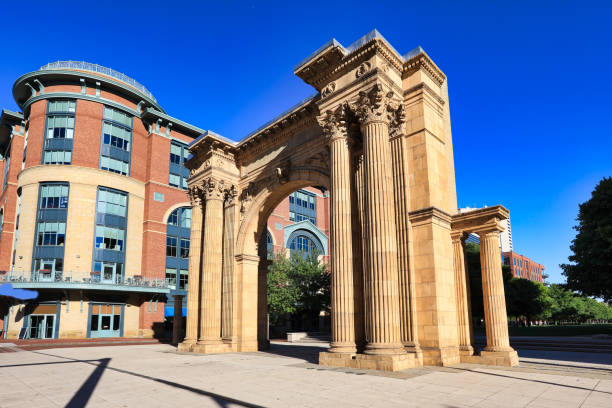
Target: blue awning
pixel 169 312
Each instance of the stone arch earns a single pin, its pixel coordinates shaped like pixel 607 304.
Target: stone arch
pixel 174 207
pixel 254 222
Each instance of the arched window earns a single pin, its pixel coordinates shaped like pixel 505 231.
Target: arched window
pixel 305 243
pixel 178 232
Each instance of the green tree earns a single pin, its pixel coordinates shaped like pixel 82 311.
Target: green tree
pixel 472 258
pixel 590 269
pixel 297 285
pixel 283 295
pixel 527 299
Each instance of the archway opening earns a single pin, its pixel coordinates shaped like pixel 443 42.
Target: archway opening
pixel 295 293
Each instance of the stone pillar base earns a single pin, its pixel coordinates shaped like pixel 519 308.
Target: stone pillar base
pixel 416 350
pixel 214 348
pixel 393 362
pixel 248 346
pixel 498 358
pixel 441 356
pixel 185 347
pixel 466 350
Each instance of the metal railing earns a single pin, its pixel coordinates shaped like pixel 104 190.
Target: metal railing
pixel 67 278
pixel 88 66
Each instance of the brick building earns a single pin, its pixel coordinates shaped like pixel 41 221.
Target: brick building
pixel 93 191
pixel 523 267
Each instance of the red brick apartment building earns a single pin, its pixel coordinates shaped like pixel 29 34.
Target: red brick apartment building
pixel 523 267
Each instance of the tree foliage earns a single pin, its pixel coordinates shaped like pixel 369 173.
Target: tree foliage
pixel 529 300
pixel 590 269
pixel 297 285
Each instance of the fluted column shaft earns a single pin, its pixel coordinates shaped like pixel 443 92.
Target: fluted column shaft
pixel 228 281
pixel 342 306
pixel 461 291
pixel 405 278
pixel 358 251
pixel 496 320
pixel 210 324
pixel 193 283
pixel 381 275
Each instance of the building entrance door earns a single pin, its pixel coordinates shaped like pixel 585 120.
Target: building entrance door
pixel 105 321
pixel 42 326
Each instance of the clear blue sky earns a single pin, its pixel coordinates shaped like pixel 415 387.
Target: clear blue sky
pixel 529 81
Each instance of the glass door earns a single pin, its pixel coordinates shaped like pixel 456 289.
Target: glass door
pixel 42 326
pixel 108 272
pixel 105 321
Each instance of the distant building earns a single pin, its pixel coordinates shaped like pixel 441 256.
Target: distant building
pixel 300 223
pixel 523 267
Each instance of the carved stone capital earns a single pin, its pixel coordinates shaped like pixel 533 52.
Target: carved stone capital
pixel 195 194
pixel 214 189
pixel 373 105
pixel 230 195
pixel 397 119
pixel 333 123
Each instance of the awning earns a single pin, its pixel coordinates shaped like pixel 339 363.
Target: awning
pixel 169 312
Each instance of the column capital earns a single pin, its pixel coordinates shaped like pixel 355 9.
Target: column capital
pixel 375 105
pixel 215 189
pixel 333 123
pixel 458 235
pixel 195 194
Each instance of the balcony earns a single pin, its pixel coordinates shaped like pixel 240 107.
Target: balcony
pixel 46 279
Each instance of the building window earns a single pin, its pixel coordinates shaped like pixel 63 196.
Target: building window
pixel 184 248
pixel 114 165
pixel 53 196
pixel 303 206
pixel 110 236
pixel 7 164
pixel 116 141
pixel 51 234
pixel 59 136
pixel 179 153
pixel 50 238
pixel 112 202
pixel 171 246
pixel 178 231
pixel 57 157
pixel 302 244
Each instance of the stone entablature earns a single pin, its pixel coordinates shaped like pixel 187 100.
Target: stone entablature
pixel 377 135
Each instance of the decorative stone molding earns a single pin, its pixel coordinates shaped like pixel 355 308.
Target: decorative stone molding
pixel 362 69
pixel 283 172
pixel 230 195
pixel 397 120
pixel 328 90
pixel 422 62
pixel 195 194
pixel 333 123
pixel 372 106
pixel 214 189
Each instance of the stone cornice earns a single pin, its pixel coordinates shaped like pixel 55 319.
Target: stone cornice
pixel 481 221
pixel 427 214
pixel 421 61
pixel 327 67
pixel 423 87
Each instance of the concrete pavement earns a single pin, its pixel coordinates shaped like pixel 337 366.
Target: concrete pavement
pixel 156 376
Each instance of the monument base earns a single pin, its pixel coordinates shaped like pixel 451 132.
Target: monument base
pixel 185 347
pixel 499 358
pixel 394 362
pixel 212 348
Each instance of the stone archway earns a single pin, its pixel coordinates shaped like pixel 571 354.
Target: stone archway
pixel 377 135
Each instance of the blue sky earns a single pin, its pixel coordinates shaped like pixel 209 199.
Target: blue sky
pixel 529 81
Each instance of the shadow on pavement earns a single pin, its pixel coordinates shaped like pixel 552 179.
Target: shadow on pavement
pixel 309 354
pixel 84 393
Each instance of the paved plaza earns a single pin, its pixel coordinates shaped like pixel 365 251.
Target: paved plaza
pixel 156 375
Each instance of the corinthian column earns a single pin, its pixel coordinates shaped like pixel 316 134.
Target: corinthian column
pixel 496 319
pixel 342 307
pixel 228 314
pixel 210 309
pixel 407 311
pixel 193 288
pixel 462 293
pixel 381 273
